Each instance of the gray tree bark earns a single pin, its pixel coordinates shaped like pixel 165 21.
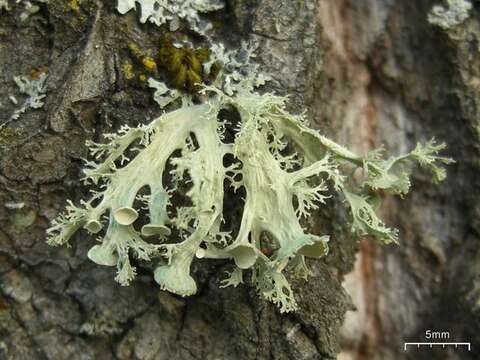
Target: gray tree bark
pixel 368 72
pixel 398 79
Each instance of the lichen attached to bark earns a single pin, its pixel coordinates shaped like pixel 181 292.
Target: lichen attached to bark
pixel 160 12
pixel 280 169
pixel 456 13
pixel 281 187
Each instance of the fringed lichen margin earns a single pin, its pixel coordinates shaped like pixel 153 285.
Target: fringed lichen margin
pixel 284 169
pixel 281 187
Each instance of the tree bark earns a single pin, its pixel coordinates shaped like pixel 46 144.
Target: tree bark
pixel 397 79
pixel 368 72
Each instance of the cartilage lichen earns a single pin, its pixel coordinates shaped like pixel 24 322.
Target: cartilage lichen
pixel 280 188
pixel 34 88
pixel 279 168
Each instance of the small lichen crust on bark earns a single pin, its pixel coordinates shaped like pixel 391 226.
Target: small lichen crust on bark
pixel 457 12
pixel 285 170
pixel 35 90
pixel 281 187
pixel 4 5
pixel 29 7
pixel 160 12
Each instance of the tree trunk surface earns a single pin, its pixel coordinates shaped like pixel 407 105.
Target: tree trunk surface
pixel 368 72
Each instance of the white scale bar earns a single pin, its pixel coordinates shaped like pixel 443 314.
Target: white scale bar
pixel 431 344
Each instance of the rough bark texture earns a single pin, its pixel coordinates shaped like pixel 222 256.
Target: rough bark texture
pixel 396 79
pixel 368 71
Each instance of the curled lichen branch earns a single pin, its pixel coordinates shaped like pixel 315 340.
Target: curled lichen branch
pixel 286 171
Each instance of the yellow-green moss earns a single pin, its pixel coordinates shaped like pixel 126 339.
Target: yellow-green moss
pixel 74 5
pixel 184 65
